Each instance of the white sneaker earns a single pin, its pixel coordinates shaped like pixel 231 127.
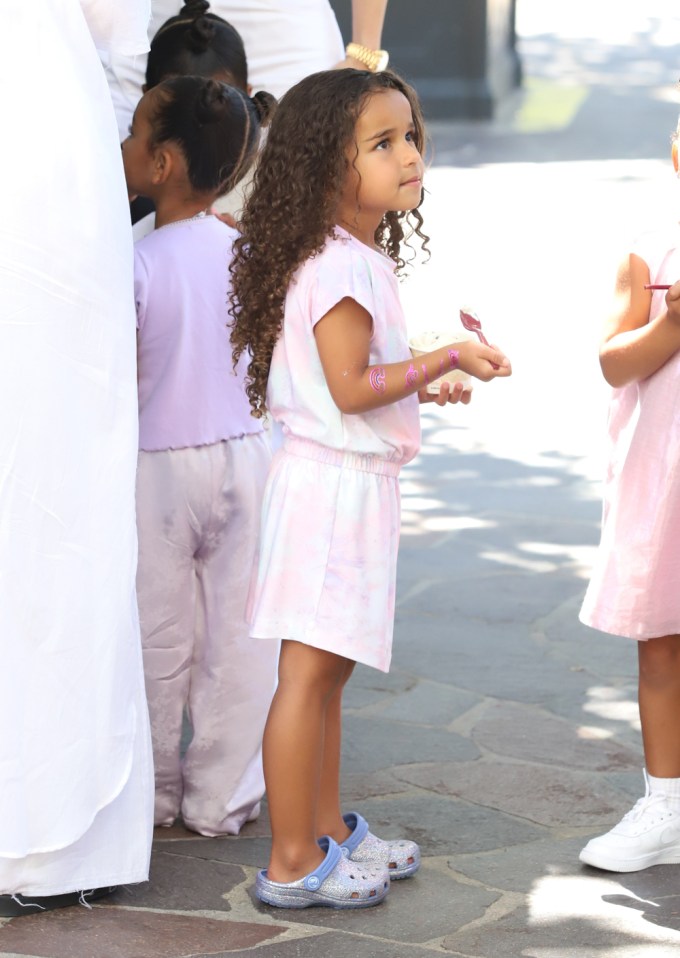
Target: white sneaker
pixel 648 835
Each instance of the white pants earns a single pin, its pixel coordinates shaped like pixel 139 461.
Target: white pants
pixel 198 513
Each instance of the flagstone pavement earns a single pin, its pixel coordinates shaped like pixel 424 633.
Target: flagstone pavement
pixel 506 733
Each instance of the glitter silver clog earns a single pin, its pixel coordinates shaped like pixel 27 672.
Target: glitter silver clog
pixel 401 857
pixel 336 883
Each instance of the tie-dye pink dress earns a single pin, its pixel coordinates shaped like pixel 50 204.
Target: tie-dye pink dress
pixel 635 587
pixel 331 516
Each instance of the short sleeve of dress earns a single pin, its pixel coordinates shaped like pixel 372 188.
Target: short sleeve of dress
pixel 341 272
pixel 141 288
pixel 655 247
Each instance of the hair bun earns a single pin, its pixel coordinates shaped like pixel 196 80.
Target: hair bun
pixel 265 104
pixel 200 35
pixel 194 8
pixel 213 102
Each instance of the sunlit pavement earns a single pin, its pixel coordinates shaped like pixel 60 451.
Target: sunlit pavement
pixel 506 733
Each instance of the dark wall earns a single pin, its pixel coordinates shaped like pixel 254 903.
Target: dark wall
pixel 459 54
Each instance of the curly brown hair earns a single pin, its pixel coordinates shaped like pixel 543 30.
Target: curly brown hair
pixel 292 208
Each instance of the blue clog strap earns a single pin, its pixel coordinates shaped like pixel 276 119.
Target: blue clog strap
pixel 359 827
pixel 315 879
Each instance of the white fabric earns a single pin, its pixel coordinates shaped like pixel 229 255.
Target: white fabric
pixel 118 28
pixel 75 802
pixel 285 40
pixel 670 787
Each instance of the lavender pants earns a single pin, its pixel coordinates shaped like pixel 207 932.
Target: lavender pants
pixel 198 514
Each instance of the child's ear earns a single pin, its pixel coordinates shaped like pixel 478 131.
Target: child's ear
pixel 162 165
pixel 674 155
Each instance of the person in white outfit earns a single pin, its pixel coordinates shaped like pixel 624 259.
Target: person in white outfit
pixel 202 464
pixel 76 801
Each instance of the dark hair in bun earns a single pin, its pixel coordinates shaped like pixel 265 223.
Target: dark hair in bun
pixel 194 8
pixel 197 43
pixel 264 104
pixel 215 125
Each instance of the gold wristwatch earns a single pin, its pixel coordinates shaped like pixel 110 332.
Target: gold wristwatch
pixel 373 60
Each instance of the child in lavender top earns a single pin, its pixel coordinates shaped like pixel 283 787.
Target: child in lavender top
pixel 202 461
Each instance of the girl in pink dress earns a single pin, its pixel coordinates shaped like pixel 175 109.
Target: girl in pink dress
pixel 315 302
pixel 635 588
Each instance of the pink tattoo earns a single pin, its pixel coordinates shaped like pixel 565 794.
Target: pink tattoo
pixel 377 379
pixel 411 375
pixel 441 369
pixel 453 358
pixel 425 376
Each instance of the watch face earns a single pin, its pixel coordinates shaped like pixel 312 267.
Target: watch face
pixel 383 60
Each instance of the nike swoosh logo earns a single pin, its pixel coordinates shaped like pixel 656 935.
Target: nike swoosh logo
pixel 670 835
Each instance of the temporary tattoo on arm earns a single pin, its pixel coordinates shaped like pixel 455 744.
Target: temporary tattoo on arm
pixel 425 376
pixel 441 369
pixel 453 358
pixel 377 379
pixel 411 375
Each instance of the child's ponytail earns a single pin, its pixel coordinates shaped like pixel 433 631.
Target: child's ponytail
pixel 264 104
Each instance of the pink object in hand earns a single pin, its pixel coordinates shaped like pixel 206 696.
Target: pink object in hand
pixel 473 324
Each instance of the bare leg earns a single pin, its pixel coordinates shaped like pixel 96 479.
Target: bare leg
pixel 293 751
pixel 659 697
pixel 329 821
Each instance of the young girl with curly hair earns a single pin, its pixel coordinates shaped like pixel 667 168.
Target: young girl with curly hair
pixel 315 303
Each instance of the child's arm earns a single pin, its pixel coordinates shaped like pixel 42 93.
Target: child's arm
pixel 343 338
pixel 634 346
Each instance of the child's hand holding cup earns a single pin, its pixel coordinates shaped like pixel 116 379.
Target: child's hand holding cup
pixel 427 342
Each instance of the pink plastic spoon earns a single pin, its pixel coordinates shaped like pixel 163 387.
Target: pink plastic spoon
pixel 472 323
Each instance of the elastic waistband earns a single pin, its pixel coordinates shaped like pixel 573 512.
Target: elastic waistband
pixel 361 461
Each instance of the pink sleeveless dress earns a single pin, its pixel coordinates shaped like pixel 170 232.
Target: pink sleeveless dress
pixel 635 586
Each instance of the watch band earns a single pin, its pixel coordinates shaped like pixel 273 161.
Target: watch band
pixel 373 60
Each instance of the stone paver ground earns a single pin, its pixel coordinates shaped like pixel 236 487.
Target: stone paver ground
pixel 506 733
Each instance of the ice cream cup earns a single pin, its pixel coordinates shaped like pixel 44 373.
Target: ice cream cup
pixel 428 342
